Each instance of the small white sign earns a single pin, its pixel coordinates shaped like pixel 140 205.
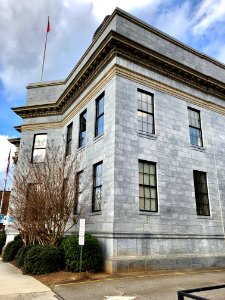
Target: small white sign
pixel 81 232
pixel 81 240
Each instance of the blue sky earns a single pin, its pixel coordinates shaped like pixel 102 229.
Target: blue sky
pixel 197 23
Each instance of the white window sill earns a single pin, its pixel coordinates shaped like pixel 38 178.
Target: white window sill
pixel 204 217
pixel 151 136
pixel 81 149
pixel 95 213
pixel 98 138
pixel 149 213
pixel 198 148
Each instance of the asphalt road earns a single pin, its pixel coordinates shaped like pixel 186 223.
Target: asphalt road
pixel 155 286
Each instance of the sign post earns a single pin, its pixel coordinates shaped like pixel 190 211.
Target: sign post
pixel 81 239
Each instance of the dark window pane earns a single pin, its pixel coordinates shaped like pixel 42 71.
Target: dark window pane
pixel 69 139
pixel 201 193
pixel 82 132
pixel 39 148
pixel 195 127
pixel 40 141
pixel 101 106
pixel 38 155
pixel 147 187
pixel 97 187
pixel 195 136
pixel 99 124
pixel 145 112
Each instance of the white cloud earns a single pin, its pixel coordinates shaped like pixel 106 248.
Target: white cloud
pixel 102 8
pixel 23 27
pixel 22 35
pixel 175 20
pixel 207 14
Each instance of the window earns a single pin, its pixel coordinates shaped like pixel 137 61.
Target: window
pixel 195 127
pixel 79 187
pixel 201 193
pixel 69 139
pixel 39 148
pixel 82 132
pixel 97 187
pixel 99 124
pixel 145 112
pixel 147 187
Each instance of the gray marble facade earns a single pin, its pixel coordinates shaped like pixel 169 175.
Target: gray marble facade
pixel 174 236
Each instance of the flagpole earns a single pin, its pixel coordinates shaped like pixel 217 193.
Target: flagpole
pixel 3 194
pixel 5 181
pixel 46 39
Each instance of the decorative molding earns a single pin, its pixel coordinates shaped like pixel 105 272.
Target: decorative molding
pixel 117 45
pixel 130 75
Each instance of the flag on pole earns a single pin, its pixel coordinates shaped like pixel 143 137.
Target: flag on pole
pixel 48 26
pixel 8 164
pixel 46 39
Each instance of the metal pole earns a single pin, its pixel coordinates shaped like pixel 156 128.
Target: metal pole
pixel 81 251
pixel 43 62
pixel 3 194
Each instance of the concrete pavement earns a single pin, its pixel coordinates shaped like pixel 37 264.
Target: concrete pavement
pixel 155 285
pixel 14 285
pixel 162 285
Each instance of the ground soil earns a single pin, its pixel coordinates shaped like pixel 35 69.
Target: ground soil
pixel 62 277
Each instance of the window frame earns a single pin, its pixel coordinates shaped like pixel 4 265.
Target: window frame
pixel 149 186
pixel 96 186
pixel 147 112
pixel 33 148
pixel 69 139
pixel 199 204
pixel 80 141
pixel 198 128
pixel 97 116
pixel 77 193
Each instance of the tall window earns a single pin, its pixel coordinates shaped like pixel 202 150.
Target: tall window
pixel 69 139
pixel 99 123
pixel 201 193
pixel 97 187
pixel 79 187
pixel 39 148
pixel 82 131
pixel 195 127
pixel 145 112
pixel 147 187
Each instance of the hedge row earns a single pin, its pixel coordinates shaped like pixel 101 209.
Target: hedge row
pixel 11 249
pixel 43 259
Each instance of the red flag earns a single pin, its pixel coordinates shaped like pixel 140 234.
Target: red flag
pixel 7 169
pixel 48 26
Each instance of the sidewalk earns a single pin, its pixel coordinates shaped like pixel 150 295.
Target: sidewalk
pixel 14 285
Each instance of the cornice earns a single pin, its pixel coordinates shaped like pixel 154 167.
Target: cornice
pixel 135 77
pixel 14 141
pixel 164 36
pixel 117 45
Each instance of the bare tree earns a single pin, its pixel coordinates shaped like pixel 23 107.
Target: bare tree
pixel 47 195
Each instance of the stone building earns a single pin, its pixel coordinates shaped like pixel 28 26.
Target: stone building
pixel 148 113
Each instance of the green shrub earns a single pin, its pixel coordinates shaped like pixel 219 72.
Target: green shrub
pixel 20 256
pixel 91 258
pixel 2 240
pixel 17 237
pixel 62 251
pixel 42 259
pixel 11 250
